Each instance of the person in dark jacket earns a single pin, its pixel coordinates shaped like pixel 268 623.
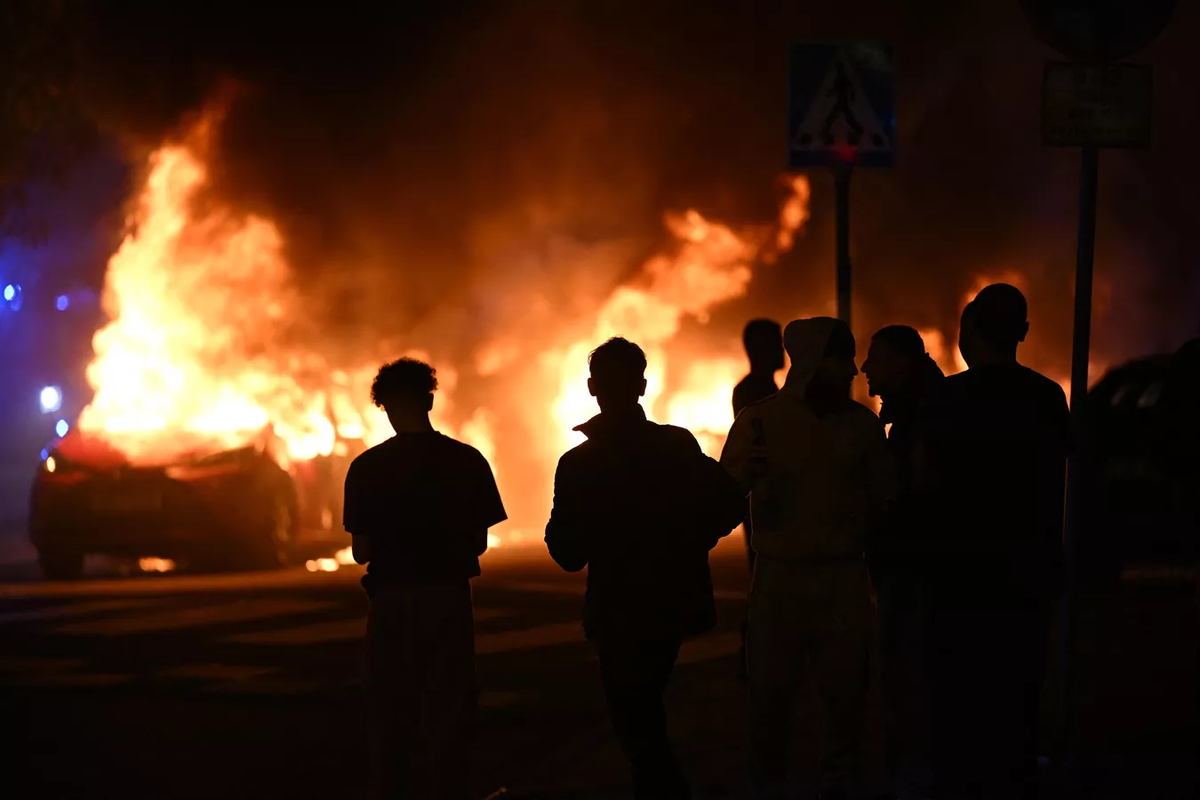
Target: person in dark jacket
pixel 993 445
pixel 1179 433
pixel 640 506
pixel 903 375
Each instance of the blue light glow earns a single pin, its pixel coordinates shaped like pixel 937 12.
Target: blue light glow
pixel 45 454
pixel 61 428
pixel 62 303
pixel 10 292
pixel 51 399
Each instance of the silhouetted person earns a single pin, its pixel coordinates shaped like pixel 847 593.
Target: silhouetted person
pixel 902 374
pixel 1178 423
pixel 763 340
pixel 419 506
pixel 640 506
pixel 994 443
pixel 820 477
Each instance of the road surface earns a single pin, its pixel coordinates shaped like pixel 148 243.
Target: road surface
pixel 247 685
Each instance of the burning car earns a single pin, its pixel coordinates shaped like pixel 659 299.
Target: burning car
pixel 216 508
pixel 207 332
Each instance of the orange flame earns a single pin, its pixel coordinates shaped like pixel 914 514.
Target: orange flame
pixel 202 349
pixel 711 265
pixel 195 354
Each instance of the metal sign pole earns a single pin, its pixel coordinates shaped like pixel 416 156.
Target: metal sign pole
pixel 841 178
pixel 1080 348
pixel 841 114
pixel 1081 343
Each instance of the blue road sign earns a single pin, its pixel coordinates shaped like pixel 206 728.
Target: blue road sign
pixel 841 105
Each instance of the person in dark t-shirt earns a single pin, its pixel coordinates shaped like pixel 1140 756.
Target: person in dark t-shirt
pixel 992 450
pixel 418 507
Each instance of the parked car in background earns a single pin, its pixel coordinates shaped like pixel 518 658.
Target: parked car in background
pixel 1140 456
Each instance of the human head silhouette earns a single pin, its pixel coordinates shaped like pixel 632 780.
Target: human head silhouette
pixel 404 390
pixel 992 325
pixel 893 352
pixel 618 374
pixel 763 340
pixel 836 370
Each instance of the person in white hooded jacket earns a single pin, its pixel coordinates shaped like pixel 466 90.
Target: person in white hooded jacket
pixel 820 477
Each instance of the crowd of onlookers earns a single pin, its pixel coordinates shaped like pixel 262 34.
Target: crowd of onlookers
pixel 935 524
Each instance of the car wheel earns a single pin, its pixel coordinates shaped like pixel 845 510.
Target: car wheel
pixel 58 565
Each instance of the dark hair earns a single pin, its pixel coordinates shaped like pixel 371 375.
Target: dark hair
pixel 761 332
pixel 405 378
pixel 1000 314
pixel 618 359
pixel 901 338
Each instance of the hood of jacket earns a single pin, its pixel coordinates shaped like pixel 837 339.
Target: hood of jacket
pixel 805 341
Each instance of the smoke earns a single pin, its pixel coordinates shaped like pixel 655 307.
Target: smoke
pixel 462 173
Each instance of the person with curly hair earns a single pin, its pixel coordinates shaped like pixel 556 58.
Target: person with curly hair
pixel 418 507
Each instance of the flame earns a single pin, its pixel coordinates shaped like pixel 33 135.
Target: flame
pixel 205 349
pixel 202 305
pixel 710 265
pixel 156 565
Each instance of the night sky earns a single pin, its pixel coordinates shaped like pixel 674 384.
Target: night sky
pixel 432 148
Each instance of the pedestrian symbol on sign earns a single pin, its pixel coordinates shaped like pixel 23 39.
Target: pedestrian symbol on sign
pixel 840 115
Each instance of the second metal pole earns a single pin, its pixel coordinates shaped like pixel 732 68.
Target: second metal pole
pixel 1080 351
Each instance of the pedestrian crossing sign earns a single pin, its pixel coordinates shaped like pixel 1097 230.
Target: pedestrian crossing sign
pixel 841 105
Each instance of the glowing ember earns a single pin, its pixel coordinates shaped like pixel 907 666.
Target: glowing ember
pixel 342 558
pixel 156 565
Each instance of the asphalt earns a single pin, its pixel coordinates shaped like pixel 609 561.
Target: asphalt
pixel 248 685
